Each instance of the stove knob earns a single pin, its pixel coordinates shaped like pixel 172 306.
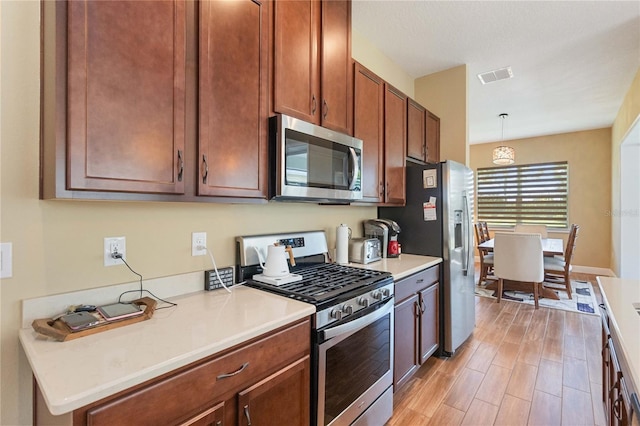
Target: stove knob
pixel 336 314
pixel 377 295
pixel 363 301
pixel 386 292
pixel 347 309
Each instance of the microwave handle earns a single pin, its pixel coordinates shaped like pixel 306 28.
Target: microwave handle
pixel 356 168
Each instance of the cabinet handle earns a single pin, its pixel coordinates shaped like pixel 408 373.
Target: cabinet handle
pixel 313 105
pixel 382 191
pixel 420 280
pixel 238 371
pixel 219 423
pixel 325 108
pixel 422 305
pixel 246 414
pixel 416 309
pixel 180 165
pixel 206 169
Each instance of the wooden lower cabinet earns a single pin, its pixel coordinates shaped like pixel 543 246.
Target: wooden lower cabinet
pixel 280 399
pixel 616 395
pixel 265 381
pixel 416 334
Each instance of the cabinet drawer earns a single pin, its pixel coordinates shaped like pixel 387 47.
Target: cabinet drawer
pixel 416 282
pixel 162 401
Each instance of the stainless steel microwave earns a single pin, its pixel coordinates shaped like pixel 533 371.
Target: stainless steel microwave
pixel 312 163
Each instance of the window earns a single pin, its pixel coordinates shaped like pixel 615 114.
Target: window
pixel 533 194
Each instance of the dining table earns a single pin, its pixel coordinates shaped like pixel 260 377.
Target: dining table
pixel 550 247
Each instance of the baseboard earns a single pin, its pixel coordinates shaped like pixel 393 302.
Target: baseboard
pixel 593 270
pixel 581 269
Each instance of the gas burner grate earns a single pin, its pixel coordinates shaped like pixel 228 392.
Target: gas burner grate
pixel 325 281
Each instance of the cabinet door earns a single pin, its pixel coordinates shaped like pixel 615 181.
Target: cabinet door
pixel 429 322
pixel 433 138
pixel 405 356
pixel 233 98
pixel 296 84
pixel 126 96
pixel 395 140
pixel 416 131
pixel 213 416
pixel 336 72
pixel 369 126
pixel 281 399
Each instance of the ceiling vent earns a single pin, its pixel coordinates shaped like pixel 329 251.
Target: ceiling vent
pixel 495 75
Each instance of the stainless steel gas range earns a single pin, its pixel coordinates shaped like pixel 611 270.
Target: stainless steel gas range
pixel 352 336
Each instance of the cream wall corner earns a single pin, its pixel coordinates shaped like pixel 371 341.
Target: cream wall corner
pixel 371 57
pixel 445 94
pixel 589 156
pixel 628 113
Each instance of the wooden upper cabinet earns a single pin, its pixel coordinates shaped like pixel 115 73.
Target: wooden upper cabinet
pixel 416 131
pixel 368 125
pixel 312 73
pixel 232 148
pixel 296 85
pixel 126 96
pixel 433 138
pixel 336 70
pixel 395 142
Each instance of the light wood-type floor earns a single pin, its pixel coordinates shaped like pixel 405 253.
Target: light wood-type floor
pixel 520 367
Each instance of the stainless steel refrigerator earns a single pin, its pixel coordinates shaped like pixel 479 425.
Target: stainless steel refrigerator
pixel 437 220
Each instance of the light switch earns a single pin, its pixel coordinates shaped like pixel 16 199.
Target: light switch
pixel 6 268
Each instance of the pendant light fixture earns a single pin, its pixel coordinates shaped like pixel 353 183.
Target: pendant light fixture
pixel 503 155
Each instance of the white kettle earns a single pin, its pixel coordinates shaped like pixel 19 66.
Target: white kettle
pixel 276 264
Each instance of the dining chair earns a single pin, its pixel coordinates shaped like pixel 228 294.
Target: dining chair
pixel 486 257
pixel 532 229
pixel 485 230
pixel 518 257
pixel 558 270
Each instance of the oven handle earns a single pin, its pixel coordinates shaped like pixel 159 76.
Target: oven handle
pixel 360 322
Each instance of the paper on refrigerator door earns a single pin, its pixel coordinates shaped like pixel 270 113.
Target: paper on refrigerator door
pixel 429 178
pixel 429 210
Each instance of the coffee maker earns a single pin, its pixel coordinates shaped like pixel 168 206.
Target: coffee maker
pixel 386 231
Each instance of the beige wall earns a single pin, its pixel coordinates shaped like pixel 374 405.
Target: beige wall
pixel 627 115
pixel 368 55
pixel 588 154
pixel 57 245
pixel 445 94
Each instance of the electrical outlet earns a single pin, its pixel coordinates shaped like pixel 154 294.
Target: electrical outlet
pixel 114 245
pixel 198 243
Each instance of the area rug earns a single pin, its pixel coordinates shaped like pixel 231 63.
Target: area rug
pixel 583 299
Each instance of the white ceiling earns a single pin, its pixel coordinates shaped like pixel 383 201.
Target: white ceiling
pixel 572 61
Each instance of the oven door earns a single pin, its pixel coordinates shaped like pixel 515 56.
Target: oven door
pixel 355 361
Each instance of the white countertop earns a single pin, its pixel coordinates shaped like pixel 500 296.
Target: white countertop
pixel 77 372
pixel 619 296
pixel 401 266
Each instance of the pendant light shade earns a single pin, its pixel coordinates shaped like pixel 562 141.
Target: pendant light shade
pixel 504 155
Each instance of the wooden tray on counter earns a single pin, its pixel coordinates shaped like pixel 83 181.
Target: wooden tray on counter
pixel 61 332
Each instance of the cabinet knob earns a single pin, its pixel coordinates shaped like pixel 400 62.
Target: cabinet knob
pixel 205 166
pixel 180 165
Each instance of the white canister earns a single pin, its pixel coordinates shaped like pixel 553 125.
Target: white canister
pixel 343 233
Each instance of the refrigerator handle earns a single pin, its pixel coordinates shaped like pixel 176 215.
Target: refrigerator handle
pixel 465 233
